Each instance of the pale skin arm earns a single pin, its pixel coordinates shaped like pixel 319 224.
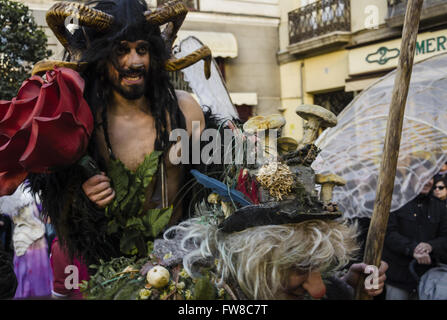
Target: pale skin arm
pixel 191 110
pixel 98 188
pixel 193 113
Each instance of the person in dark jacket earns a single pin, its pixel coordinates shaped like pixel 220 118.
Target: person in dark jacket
pixel 417 231
pixel 6 234
pixel 8 279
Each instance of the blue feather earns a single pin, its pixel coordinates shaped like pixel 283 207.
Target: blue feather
pixel 220 188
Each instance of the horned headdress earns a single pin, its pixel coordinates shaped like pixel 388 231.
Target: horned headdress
pixel 172 14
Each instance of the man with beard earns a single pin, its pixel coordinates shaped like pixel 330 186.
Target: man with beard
pixel 130 125
pixel 135 107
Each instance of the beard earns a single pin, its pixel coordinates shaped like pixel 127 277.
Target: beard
pixel 130 92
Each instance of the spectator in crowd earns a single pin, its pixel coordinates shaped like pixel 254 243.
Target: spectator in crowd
pixel 6 234
pixel 417 231
pixel 440 188
pixel 31 262
pixel 8 279
pixel 443 172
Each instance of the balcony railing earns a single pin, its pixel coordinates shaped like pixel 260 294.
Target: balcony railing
pixel 397 8
pixel 193 5
pixel 319 18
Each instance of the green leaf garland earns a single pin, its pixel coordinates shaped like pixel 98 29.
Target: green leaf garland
pixel 135 226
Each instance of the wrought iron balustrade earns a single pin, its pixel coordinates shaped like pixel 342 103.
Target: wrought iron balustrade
pixel 193 5
pixel 319 18
pixel 398 7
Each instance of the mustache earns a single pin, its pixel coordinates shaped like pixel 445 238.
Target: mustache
pixel 132 72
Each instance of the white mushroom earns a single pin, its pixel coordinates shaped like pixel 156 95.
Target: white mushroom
pixel 317 117
pixel 263 124
pixel 328 182
pixel 286 145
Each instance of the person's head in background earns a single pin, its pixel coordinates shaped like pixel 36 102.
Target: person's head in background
pixel 440 188
pixel 443 168
pixel 427 187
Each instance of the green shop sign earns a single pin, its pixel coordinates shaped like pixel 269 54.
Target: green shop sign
pixel 383 55
pixel 423 47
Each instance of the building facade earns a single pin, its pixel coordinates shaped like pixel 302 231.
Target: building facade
pixel 331 50
pixel 243 36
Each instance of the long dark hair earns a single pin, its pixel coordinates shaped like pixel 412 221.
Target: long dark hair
pixel 129 24
pixel 80 226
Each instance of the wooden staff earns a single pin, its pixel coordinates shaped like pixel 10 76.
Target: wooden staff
pixel 384 193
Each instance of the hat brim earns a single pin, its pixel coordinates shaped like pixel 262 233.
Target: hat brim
pixel 270 214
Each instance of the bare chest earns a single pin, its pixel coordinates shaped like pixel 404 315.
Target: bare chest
pixel 132 138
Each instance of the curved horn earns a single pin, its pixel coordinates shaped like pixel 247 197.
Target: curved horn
pixel 57 15
pixel 204 53
pixel 43 66
pixel 172 11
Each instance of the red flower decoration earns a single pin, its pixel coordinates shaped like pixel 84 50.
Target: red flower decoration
pixel 47 125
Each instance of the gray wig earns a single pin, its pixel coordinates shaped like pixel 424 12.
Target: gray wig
pixel 259 258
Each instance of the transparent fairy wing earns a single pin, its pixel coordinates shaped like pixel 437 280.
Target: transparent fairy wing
pixel 211 93
pixel 353 149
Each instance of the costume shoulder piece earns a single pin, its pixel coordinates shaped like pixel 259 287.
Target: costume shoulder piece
pixel 13 204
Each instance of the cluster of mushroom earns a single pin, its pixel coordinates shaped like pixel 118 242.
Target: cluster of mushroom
pixel 280 182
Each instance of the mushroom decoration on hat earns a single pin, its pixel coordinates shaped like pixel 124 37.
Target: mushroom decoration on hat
pixel 328 182
pixel 317 117
pixel 286 145
pixel 263 125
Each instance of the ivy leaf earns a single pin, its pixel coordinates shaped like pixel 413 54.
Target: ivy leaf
pixel 119 175
pixel 148 168
pixel 156 220
pixel 112 226
pixel 126 212
pixel 135 223
pixel 127 243
pixel 129 200
pixel 150 247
